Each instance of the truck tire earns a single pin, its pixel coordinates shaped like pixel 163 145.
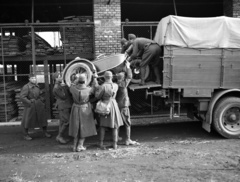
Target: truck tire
pixel 82 68
pixel 226 119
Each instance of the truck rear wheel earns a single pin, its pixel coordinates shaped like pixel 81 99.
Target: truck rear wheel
pixel 226 119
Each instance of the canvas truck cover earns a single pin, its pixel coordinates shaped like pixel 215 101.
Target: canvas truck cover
pixel 216 32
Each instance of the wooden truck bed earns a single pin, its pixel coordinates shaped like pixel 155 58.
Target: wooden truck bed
pixel 199 71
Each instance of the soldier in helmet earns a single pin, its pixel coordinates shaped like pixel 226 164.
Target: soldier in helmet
pixel 81 123
pixel 107 93
pixel 34 108
pixel 63 104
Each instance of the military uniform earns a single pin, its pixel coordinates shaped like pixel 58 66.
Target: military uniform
pixel 123 101
pixel 63 105
pixel 122 96
pixel 34 114
pixel 107 93
pixel 81 123
pixel 150 52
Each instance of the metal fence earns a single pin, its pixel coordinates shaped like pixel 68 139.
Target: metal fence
pixel 140 29
pixel 41 49
pixel 44 49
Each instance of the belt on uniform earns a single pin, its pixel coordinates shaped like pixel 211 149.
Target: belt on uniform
pixel 80 105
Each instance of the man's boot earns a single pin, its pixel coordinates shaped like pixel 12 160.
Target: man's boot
pixel 142 74
pixel 46 134
pixel 75 144
pixel 115 138
pixel 119 138
pixel 26 135
pixel 101 137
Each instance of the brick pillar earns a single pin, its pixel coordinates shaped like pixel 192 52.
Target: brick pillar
pixel 231 8
pixel 107 21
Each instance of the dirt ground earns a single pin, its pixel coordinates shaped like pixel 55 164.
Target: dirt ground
pixel 178 151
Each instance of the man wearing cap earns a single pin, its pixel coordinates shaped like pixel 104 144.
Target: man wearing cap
pixel 123 80
pixel 63 104
pixel 34 108
pixel 149 52
pixel 81 123
pixel 107 93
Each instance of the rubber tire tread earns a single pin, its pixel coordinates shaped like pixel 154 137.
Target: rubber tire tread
pixel 221 104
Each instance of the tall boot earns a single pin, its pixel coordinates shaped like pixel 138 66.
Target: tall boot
pixel 101 137
pixel 26 135
pixel 157 74
pixel 115 137
pixel 142 74
pixel 119 138
pixel 75 144
pixel 44 128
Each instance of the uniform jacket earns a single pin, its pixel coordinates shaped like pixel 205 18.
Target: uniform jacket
pixel 34 114
pixel 107 93
pixel 139 46
pixel 63 96
pixel 81 118
pixel 122 93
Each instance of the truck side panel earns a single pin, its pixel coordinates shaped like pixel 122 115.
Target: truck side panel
pixel 201 68
pixel 193 69
pixel 231 71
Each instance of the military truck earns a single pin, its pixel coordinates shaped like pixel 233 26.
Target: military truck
pixel 201 70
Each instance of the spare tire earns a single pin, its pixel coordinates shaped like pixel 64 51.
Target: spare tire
pixel 76 68
pixel 136 77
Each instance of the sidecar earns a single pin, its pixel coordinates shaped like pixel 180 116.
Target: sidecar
pixel 100 65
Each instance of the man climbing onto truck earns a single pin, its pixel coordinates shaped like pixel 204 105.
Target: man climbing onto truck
pixel 149 52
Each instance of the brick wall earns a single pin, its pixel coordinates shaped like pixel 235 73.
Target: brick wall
pixel 107 21
pixel 231 8
pixel 78 39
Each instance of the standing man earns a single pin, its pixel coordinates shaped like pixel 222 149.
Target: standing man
pixel 107 93
pixel 123 80
pixel 34 108
pixel 82 123
pixel 63 104
pixel 150 52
